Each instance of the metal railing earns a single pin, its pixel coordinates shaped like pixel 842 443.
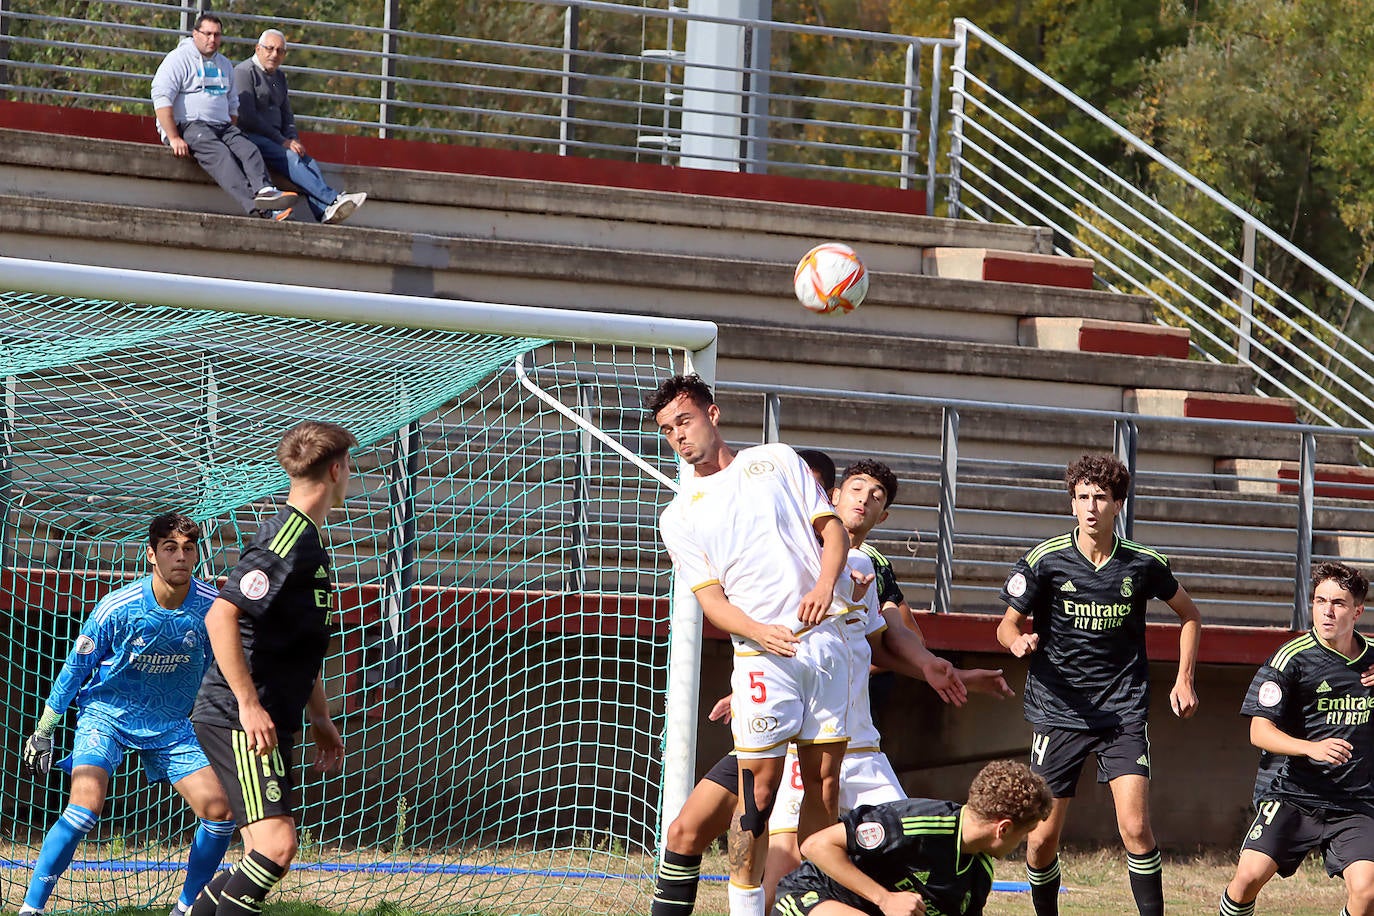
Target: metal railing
pixel 587 78
pixel 1230 288
pixel 953 512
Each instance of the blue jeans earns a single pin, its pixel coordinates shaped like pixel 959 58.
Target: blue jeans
pixel 303 171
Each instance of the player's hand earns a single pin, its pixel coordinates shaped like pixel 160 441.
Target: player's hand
pixel 329 746
pixel 985 680
pixel 36 758
pixel 1335 751
pixel 1025 644
pixel 941 677
pixel 776 640
pixel 1183 700
pixel 721 712
pixel 861 583
pixel 815 605
pixel 1367 678
pixel 902 903
pixel 180 148
pixel 258 725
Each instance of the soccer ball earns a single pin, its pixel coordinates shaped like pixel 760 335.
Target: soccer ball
pixel 830 278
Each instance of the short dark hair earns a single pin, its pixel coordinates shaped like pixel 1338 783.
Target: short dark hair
pixel 311 446
pixel 1005 789
pixel 1105 471
pixel 674 387
pixel 1348 578
pixel 208 17
pixel 878 471
pixel 819 462
pixel 170 523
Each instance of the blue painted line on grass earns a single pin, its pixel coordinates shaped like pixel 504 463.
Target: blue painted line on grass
pixel 415 868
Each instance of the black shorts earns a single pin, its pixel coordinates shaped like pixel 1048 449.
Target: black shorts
pixel 1058 754
pixel 1287 834
pixel 258 787
pixel 797 902
pixel 725 773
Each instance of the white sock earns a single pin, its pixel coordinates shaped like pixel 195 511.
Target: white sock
pixel 746 901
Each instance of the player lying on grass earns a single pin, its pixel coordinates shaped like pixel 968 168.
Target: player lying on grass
pixel 1084 595
pixel 706 813
pixel 1309 705
pixel 917 855
pixel 133 674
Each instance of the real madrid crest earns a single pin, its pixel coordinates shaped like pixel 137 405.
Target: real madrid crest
pixel 1127 588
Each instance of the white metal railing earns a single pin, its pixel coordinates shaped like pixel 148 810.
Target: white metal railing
pixel 1008 165
pixel 568 83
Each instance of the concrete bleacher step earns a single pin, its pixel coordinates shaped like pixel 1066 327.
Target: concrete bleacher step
pixel 1340 481
pixel 1000 266
pixel 1094 335
pixel 1211 405
pixel 480 206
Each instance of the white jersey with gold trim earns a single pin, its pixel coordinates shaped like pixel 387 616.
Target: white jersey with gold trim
pixel 749 528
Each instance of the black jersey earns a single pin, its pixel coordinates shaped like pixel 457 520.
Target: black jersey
pixel 285 594
pixel 1090 670
pixel 1312 692
pixel 908 845
pixel 885 580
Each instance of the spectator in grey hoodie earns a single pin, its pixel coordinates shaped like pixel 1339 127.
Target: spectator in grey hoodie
pixel 195 104
pixel 265 117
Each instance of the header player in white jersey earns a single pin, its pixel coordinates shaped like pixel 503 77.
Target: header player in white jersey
pixel 743 534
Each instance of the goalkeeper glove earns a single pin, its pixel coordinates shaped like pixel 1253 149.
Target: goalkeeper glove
pixel 37 755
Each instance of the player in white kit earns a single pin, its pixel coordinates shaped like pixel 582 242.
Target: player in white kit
pixel 759 545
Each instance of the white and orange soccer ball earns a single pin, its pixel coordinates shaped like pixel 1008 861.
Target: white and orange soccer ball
pixel 830 279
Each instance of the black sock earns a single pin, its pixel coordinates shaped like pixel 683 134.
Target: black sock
pixel 1147 881
pixel 207 901
pixel 1044 888
pixel 243 893
pixel 1230 908
pixel 675 891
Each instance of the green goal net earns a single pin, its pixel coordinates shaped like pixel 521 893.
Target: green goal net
pixel 501 664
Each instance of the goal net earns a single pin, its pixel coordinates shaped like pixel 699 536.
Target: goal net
pixel 500 667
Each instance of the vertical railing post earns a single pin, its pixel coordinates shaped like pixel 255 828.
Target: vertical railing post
pixel 4 41
pixel 398 581
pixel 391 18
pixel 944 544
pixel 772 418
pixel 758 61
pixel 1307 468
pixel 572 17
pixel 911 114
pixel 582 492
pixel 1126 436
pixel 1247 292
pixel 956 121
pixel 933 133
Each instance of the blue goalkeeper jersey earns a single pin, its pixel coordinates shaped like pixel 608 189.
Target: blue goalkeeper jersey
pixel 136 665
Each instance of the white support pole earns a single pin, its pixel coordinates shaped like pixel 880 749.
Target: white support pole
pixel 712 87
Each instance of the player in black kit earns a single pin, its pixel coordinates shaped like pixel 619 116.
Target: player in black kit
pixel 1308 705
pixel 1088 685
pixel 918 854
pixel 270 629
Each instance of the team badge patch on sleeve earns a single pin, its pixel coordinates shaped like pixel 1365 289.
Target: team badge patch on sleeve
pixel 254 585
pixel 1269 694
pixel 869 835
pixel 84 645
pixel 1016 585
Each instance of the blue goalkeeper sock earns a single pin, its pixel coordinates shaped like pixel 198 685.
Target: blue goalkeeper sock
pixel 208 847
pixel 58 848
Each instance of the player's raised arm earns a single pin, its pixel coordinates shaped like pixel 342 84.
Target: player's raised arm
pixel 901 650
pixel 222 626
pixel 1183 697
pixel 815 605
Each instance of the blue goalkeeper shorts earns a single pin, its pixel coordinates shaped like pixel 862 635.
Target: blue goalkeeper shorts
pixel 96 744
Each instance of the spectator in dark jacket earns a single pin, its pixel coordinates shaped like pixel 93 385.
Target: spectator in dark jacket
pixel 265 117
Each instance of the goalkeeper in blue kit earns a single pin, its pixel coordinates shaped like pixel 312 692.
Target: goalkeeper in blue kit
pixel 133 674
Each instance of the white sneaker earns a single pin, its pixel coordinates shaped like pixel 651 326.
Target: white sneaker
pixel 29 911
pixel 343 206
pixel 179 910
pixel 269 198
